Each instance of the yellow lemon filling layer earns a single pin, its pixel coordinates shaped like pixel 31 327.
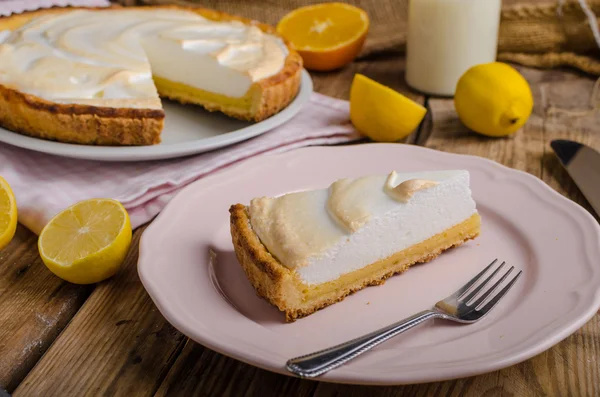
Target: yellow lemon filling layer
pixel 377 272
pixel 210 100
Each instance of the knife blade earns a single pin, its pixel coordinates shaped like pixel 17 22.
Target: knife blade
pixel 583 165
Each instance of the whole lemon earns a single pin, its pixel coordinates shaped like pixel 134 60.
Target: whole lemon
pixel 493 99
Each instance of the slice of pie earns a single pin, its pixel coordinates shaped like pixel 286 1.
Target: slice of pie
pixel 307 250
pixel 95 76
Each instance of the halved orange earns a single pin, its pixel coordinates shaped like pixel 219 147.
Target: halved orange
pixel 327 36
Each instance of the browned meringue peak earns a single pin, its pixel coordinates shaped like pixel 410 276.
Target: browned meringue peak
pixel 348 201
pixel 405 190
pixel 295 226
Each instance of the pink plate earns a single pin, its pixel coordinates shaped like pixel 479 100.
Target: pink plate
pixel 188 266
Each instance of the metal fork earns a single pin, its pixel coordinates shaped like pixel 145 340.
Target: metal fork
pixel 456 307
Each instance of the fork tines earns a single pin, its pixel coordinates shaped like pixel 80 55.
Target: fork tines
pixel 474 291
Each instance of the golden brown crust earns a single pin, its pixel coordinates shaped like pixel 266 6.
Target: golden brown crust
pixel 267 276
pixel 95 125
pixel 278 91
pixel 277 284
pixel 82 124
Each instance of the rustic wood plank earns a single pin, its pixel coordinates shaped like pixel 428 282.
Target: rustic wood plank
pixel 570 368
pixel 562 110
pixel 200 371
pixel 35 306
pixel 572 113
pixel 118 343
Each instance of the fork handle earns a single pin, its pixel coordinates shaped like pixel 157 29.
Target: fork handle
pixel 317 363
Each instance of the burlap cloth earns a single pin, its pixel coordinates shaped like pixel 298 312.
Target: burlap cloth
pixel 537 33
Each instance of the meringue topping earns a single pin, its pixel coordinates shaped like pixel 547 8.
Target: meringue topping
pixel 287 225
pixel 324 233
pixel 109 55
pixel 347 202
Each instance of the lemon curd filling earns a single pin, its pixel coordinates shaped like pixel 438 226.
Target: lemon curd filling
pixel 396 263
pixel 187 94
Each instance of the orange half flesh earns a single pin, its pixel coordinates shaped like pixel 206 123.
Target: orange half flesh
pixel 327 36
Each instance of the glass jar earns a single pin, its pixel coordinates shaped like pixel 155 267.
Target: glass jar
pixel 447 37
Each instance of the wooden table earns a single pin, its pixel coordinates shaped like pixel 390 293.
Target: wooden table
pixel 60 339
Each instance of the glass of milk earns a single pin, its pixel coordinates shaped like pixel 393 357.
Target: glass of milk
pixel 447 37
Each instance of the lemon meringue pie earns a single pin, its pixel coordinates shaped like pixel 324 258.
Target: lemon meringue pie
pixel 96 76
pixel 306 250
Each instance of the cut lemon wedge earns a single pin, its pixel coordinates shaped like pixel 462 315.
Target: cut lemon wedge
pixel 8 213
pixel 380 113
pixel 327 36
pixel 87 242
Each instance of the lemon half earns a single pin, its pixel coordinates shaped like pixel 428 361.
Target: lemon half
pixel 87 242
pixel 8 213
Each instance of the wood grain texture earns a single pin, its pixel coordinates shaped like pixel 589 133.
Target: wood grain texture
pixel 200 371
pixel 117 344
pixel 35 306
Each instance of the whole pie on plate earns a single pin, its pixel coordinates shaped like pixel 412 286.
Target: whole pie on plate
pixel 304 251
pixel 95 76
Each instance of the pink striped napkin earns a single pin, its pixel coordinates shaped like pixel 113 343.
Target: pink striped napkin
pixel 46 184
